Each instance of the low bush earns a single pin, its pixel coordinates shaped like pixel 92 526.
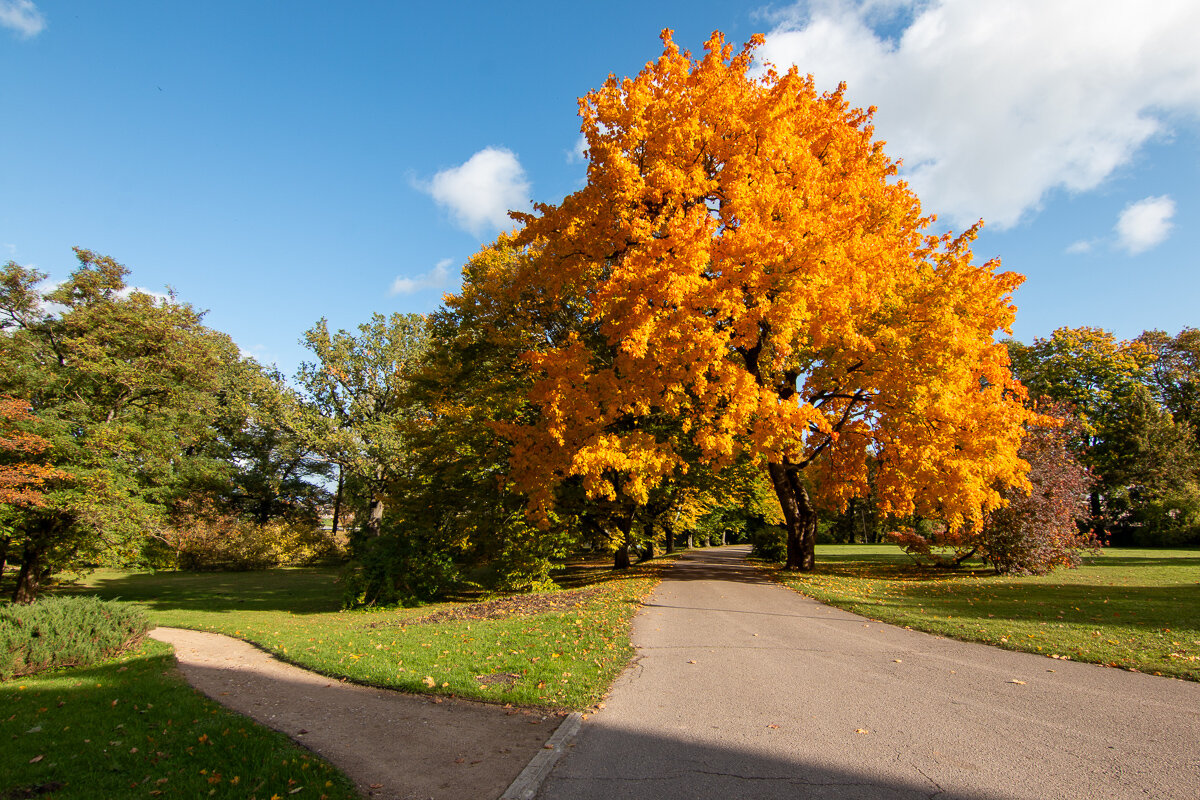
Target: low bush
pixel 396 568
pixel 768 542
pixel 66 632
pixel 229 542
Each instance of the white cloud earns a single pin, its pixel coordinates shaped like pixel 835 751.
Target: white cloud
pixel 578 153
pixel 1080 247
pixel 993 105
pixel 481 191
pixel 436 277
pixel 1145 224
pixel 22 16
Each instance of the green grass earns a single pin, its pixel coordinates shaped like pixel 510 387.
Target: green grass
pixel 132 728
pixel 564 659
pixel 1135 609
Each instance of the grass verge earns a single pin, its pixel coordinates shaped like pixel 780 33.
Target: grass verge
pixel 131 727
pixel 1134 609
pixel 560 655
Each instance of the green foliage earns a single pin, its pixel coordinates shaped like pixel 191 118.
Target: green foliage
pixel 132 727
pixel 1136 403
pixel 66 632
pixel 358 410
pixel 397 567
pixel 768 542
pixel 124 387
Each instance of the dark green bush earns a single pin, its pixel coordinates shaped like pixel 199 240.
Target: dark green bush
pixel 396 568
pixel 66 632
pixel 768 542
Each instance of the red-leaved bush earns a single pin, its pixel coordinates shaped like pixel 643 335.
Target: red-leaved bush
pixel 1035 532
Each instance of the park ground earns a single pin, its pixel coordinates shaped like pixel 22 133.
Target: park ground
pixel 1134 609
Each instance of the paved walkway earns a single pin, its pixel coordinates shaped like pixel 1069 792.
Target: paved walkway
pixel 393 746
pixel 744 689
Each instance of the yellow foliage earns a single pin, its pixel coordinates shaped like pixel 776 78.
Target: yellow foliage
pixel 746 260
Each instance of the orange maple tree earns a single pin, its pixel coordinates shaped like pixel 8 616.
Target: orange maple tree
pixel 749 265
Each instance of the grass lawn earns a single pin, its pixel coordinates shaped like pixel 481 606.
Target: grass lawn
pixel 1135 609
pixel 132 728
pixel 560 657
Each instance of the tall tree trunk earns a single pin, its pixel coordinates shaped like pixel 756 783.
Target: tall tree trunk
pixel 337 500
pixel 621 557
pixel 1098 525
pixel 5 541
pixel 375 508
pixel 691 542
pixel 374 517
pixel 800 515
pixel 669 536
pixel 28 579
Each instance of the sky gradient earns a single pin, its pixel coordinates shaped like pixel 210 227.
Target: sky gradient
pixel 279 162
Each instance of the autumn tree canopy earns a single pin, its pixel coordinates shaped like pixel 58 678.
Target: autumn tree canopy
pixel 748 264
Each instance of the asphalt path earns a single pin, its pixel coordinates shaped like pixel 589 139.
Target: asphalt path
pixel 744 689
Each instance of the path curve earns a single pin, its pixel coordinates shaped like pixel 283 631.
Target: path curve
pixel 744 689
pixel 394 746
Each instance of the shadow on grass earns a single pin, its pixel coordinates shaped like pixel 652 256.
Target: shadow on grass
pixel 301 591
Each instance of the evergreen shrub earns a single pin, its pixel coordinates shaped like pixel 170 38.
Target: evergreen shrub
pixel 66 632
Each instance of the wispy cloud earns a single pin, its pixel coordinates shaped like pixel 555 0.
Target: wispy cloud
pixel 437 277
pixel 22 16
pixel 994 105
pixel 578 153
pixel 1080 247
pixel 1145 224
pixel 480 192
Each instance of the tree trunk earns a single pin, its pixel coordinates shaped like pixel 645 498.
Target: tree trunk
pixel 691 542
pixel 28 579
pixel 374 517
pixel 669 537
pixel 337 500
pixel 800 515
pixel 4 543
pixel 1098 525
pixel 648 553
pixel 621 557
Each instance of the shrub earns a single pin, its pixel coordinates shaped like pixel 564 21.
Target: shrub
pixel 768 542
pixel 395 568
pixel 227 541
pixel 66 632
pixel 1036 531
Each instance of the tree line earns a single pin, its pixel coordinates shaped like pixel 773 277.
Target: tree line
pixel 741 323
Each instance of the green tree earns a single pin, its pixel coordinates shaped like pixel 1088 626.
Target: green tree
pixel 1175 373
pixel 357 390
pixel 1137 451
pixel 123 386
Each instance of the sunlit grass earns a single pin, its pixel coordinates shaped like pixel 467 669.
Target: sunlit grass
pixel 1136 609
pixel 564 659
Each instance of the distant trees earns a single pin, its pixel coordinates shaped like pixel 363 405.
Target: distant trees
pixel 1135 404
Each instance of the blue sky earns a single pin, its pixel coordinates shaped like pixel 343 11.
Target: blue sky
pixel 279 162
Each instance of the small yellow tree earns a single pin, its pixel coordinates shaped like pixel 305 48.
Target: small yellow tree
pixel 749 265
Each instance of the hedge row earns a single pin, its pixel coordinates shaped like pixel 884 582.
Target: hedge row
pixel 66 632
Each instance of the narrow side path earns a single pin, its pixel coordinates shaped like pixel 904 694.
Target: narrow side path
pixel 393 746
pixel 745 689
